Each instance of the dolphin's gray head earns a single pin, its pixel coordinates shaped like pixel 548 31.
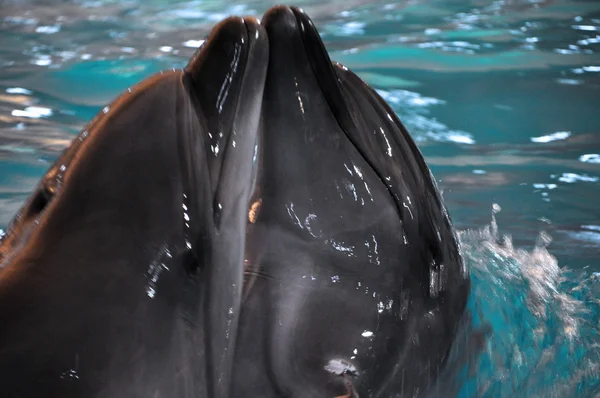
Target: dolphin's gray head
pixel 99 294
pixel 353 271
pixel 259 224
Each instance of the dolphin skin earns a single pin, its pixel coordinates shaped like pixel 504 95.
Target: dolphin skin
pixel 103 289
pixel 259 224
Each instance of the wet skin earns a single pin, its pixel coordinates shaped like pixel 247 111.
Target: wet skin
pixel 105 288
pixel 260 224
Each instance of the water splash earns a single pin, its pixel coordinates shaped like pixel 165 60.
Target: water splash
pixel 543 317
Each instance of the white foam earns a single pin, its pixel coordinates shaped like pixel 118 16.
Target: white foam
pixel 193 43
pixel 590 158
pixel 570 178
pixel 559 135
pixel 48 30
pixel 34 112
pixel 18 90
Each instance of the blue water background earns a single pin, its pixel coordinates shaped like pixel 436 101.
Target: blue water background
pixel 502 97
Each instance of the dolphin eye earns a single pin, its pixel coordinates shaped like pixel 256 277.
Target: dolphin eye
pixel 40 200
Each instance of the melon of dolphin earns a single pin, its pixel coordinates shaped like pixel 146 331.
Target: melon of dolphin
pixel 260 225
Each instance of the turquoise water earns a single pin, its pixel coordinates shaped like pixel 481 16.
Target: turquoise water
pixel 503 98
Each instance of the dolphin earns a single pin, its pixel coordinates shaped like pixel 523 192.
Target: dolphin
pixel 260 224
pixel 354 286
pixel 100 288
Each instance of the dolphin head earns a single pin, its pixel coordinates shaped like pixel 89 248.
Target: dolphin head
pixel 258 224
pixel 99 294
pixel 357 283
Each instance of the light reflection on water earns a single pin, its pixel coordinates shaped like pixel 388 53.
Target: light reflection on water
pixel 500 96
